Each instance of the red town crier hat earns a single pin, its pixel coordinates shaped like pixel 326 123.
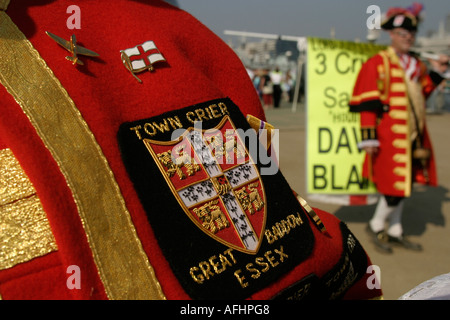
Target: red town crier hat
pixel 406 18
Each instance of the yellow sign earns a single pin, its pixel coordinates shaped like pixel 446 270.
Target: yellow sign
pixel 334 162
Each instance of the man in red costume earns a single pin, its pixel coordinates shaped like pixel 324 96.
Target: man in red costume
pixel 390 94
pixel 127 172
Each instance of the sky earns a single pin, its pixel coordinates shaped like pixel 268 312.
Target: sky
pixel 313 18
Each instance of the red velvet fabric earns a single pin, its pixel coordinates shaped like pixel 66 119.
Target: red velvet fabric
pixel 200 67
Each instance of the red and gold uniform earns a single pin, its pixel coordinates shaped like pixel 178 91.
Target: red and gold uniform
pixel 384 94
pixel 92 204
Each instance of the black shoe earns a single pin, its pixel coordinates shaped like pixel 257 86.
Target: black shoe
pixel 380 240
pixel 404 242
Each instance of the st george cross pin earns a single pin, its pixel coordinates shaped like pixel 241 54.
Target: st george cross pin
pixel 141 58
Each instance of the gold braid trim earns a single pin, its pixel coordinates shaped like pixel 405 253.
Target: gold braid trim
pixel 122 264
pixel 4 5
pixel 25 232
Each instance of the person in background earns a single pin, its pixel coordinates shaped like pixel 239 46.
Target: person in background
pixel 389 94
pixel 276 77
pixel 266 88
pixel 289 86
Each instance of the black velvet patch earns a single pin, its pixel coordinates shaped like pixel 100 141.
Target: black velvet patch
pixel 334 284
pixel 205 267
pixel 351 266
pixel 308 288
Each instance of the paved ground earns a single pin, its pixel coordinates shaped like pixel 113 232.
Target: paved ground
pixel 426 216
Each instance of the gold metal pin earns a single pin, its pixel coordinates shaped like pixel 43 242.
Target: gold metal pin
pixel 73 48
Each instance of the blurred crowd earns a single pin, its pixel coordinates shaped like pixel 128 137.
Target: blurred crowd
pixel 274 86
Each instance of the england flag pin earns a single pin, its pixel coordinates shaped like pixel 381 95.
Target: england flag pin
pixel 141 57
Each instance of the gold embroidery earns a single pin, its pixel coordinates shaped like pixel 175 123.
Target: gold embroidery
pixel 182 159
pixel 211 112
pixel 270 259
pixel 153 129
pixel 212 217
pixel 280 229
pixel 4 4
pixel 25 232
pixel 14 184
pixel 121 261
pixel 205 270
pixel 249 198
pixel 221 185
pixel 24 229
pixel 221 148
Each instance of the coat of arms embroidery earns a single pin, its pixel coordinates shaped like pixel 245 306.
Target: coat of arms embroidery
pixel 215 181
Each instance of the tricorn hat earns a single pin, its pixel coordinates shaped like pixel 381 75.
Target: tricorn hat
pixel 406 18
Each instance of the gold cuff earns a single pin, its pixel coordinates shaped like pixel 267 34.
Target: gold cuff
pixel 4 5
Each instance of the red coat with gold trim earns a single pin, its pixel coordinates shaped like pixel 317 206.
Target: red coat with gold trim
pixel 111 222
pixel 380 95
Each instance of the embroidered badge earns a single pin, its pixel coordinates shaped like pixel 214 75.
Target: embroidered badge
pixel 216 183
pixel 225 228
pixel 141 58
pixel 74 48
